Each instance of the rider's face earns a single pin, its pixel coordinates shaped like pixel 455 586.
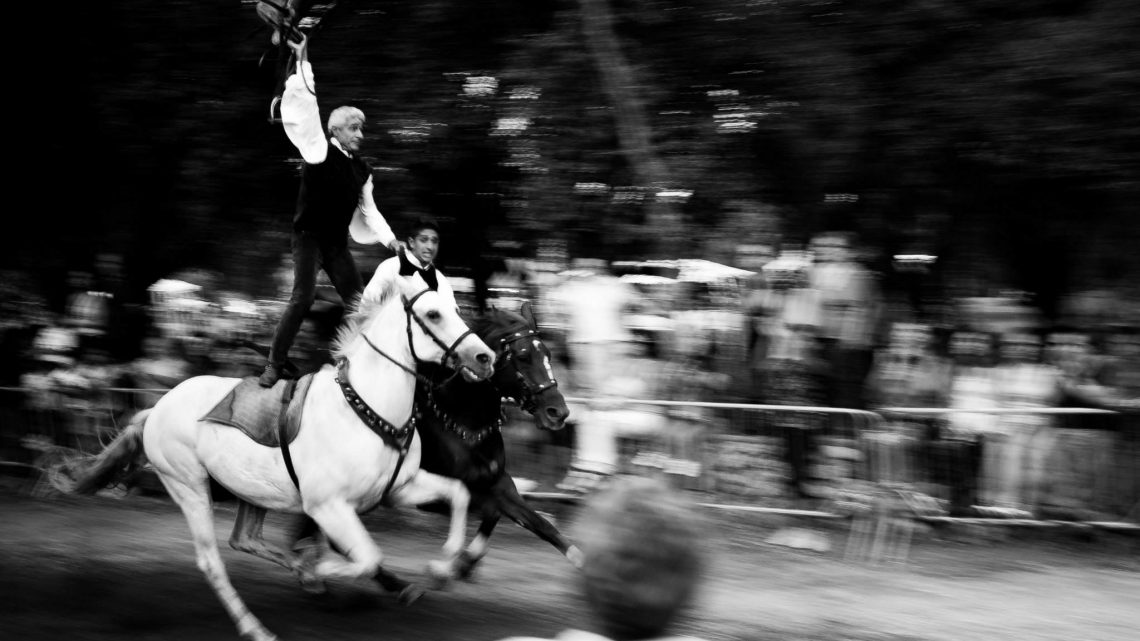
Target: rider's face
pixel 424 245
pixel 350 135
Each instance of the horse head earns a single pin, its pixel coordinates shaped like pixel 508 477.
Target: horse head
pixel 524 368
pixel 435 332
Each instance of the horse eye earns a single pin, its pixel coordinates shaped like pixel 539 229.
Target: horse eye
pixel 434 315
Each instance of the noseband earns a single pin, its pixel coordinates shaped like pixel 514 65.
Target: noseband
pixel 528 403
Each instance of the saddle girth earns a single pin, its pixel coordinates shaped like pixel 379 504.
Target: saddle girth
pixel 283 426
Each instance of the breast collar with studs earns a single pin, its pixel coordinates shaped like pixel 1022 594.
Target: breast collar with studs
pixel 399 438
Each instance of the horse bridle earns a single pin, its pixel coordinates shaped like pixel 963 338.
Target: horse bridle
pixel 448 351
pixel 528 402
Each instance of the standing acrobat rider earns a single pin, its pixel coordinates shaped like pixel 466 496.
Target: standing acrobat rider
pixel 335 199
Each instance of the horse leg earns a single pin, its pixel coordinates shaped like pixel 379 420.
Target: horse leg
pixel 306 535
pixel 247 537
pixel 340 523
pixel 477 549
pixel 426 487
pixel 517 510
pixel 194 499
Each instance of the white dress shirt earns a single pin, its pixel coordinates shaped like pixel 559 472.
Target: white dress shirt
pixel 302 120
pixel 389 270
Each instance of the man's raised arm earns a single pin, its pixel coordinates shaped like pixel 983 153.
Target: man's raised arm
pixel 299 112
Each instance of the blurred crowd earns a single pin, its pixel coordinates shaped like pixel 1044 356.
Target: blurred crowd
pixel 809 327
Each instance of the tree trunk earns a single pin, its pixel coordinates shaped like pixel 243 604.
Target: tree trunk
pixel 633 131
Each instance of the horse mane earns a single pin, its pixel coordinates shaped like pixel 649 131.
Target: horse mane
pixel 354 322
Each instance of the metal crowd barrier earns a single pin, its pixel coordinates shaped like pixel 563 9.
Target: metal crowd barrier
pixel 876 468
pixel 1027 473
pixel 731 455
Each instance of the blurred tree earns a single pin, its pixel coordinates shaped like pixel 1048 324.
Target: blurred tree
pixel 983 131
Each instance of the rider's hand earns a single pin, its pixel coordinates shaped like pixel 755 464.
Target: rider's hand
pixel 397 246
pixel 300 49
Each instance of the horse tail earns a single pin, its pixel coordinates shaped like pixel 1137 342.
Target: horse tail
pixel 115 462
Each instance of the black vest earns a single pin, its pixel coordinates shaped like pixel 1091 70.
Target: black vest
pixel 330 194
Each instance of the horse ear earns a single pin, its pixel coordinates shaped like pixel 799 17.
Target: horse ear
pixel 528 313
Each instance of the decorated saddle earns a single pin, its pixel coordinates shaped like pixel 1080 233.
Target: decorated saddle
pixel 270 417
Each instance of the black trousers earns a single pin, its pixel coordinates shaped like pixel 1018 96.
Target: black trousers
pixel 310 256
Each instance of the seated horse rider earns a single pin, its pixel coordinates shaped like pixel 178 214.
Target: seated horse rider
pixel 335 199
pixel 423 246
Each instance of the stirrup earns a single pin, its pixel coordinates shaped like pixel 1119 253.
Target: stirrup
pixel 275 111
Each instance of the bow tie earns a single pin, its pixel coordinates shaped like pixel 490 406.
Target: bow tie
pixel 428 273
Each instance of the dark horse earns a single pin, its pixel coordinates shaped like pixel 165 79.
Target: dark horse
pixel 459 425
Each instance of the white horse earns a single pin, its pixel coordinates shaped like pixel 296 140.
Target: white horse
pixel 342 466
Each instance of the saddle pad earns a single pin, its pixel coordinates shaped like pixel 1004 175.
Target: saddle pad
pixel 255 410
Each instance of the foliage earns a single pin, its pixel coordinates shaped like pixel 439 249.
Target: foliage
pixel 959 126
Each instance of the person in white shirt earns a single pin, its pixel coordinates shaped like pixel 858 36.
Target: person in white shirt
pixel 335 200
pixel 423 247
pixel 594 304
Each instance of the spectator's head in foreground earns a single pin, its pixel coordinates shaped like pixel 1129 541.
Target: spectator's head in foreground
pixel 642 557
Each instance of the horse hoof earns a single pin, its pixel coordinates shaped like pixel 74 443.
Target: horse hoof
pixel 411 594
pixel 314 586
pixel 467 565
pixel 467 575
pixel 575 556
pixel 259 635
pixel 439 573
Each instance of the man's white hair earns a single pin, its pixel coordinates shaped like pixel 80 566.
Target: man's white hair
pixel 341 116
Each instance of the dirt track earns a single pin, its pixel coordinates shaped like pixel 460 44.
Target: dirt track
pixel 103 568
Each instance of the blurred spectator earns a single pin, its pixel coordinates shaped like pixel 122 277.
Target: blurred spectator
pixel 909 372
pixel 1121 366
pixel 1121 372
pixel 959 462
pixel 23 316
pixel 793 373
pixel 594 305
pixel 643 562
pixel 689 376
pixel 758 306
pixel 850 303
pixel 972 390
pixel 1022 442
pixel 615 423
pixel 780 298
pixel 160 367
pixel 88 312
pixel 1080 465
pixel 1083 374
